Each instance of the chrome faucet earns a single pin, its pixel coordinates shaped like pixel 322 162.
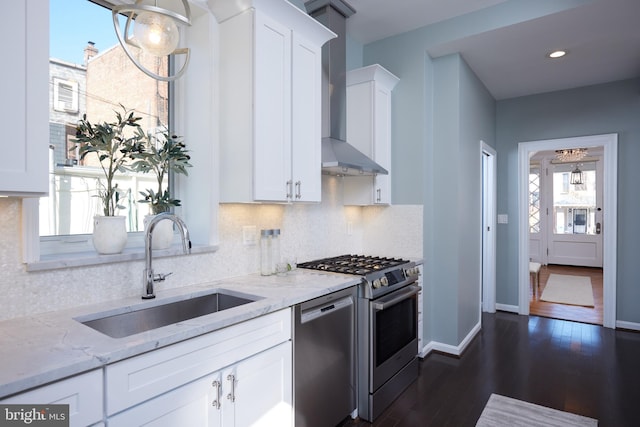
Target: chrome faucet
pixel 149 278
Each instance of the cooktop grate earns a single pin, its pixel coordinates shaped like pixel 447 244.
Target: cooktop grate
pixel 360 265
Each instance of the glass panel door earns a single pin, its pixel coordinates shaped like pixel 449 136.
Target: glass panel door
pixel 575 234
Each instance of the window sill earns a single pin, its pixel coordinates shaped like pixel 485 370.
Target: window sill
pixel 84 259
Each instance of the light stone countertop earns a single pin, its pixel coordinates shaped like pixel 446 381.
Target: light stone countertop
pixel 39 349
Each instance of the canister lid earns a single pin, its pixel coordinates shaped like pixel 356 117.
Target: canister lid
pixel 276 232
pixel 265 233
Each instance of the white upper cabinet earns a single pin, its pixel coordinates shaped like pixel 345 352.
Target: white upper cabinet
pixel 25 108
pixel 369 130
pixel 270 103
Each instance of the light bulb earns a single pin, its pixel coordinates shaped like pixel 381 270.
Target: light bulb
pixel 156 34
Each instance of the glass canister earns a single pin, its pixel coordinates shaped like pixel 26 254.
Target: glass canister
pixel 266 260
pixel 275 250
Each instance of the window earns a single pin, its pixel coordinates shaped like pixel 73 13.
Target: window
pixel 197 121
pixel 565 182
pixel 65 95
pixel 574 207
pixel 534 199
pixel 95 78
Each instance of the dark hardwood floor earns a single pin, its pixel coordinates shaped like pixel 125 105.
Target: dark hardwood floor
pixel 575 367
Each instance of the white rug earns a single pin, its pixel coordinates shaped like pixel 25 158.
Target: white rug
pixel 502 411
pixel 565 289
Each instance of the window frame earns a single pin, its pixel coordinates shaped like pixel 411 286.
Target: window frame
pixel 199 192
pixel 75 105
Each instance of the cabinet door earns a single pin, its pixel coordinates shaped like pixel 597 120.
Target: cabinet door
pixel 193 404
pixel 381 143
pixel 83 393
pixel 24 168
pixel 262 390
pixel 369 130
pixel 272 104
pixel 306 120
pixel 360 190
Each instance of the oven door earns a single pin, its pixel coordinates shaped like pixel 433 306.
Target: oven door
pixel 394 334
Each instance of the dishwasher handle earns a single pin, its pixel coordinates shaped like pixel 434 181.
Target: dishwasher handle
pixel 399 296
pixel 325 309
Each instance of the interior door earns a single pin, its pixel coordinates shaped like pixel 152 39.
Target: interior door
pixel 575 215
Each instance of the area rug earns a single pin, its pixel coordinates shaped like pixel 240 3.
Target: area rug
pixel 502 411
pixel 565 289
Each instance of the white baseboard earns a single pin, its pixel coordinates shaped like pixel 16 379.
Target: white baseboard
pixel 448 348
pixel 628 325
pixel 507 307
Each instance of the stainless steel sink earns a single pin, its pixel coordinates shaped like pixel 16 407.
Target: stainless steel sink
pixel 145 319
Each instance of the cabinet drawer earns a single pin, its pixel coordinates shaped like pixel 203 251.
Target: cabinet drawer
pixel 135 380
pixel 83 394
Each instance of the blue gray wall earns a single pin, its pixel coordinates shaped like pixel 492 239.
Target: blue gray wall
pixel 465 116
pixel 600 109
pixel 441 112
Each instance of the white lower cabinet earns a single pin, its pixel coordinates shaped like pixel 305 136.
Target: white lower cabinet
pixel 254 392
pixel 240 375
pixel 262 393
pixel 83 394
pixel 237 376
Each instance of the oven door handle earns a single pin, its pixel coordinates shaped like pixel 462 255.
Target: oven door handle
pixel 398 296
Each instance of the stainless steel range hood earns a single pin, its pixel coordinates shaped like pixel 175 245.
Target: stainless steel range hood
pixel 338 156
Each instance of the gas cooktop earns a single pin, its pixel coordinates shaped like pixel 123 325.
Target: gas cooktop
pixel 360 265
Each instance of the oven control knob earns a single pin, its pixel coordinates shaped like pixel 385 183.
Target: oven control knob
pixel 376 284
pixel 384 281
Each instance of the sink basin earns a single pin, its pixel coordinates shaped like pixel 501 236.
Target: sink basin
pixel 145 319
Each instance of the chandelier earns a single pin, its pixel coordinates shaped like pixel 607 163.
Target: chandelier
pixel 571 155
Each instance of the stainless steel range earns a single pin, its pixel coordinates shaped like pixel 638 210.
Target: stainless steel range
pixel 387 326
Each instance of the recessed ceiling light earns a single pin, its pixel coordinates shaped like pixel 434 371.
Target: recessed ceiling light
pixel 557 54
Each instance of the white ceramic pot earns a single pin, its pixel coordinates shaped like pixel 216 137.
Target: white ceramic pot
pixel 162 233
pixel 109 234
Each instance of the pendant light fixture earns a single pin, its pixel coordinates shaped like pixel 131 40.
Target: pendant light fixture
pixel 155 31
pixel 577 177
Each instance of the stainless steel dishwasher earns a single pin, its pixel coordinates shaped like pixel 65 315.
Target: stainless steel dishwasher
pixel 324 359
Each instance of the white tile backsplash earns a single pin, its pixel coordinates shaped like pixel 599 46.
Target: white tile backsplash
pixel 309 231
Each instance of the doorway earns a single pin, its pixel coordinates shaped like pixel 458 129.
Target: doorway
pixel 489 208
pixel 608 222
pixel 565 217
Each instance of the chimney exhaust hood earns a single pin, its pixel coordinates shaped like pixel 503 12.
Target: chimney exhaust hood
pixel 338 156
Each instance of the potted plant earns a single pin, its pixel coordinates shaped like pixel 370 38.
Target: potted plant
pixel 113 144
pixel 163 153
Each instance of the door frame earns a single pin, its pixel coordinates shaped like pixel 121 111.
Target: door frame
pixel 489 208
pixel 609 223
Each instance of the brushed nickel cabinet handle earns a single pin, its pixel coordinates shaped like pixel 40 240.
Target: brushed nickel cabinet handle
pixel 216 403
pixel 289 186
pixel 232 379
